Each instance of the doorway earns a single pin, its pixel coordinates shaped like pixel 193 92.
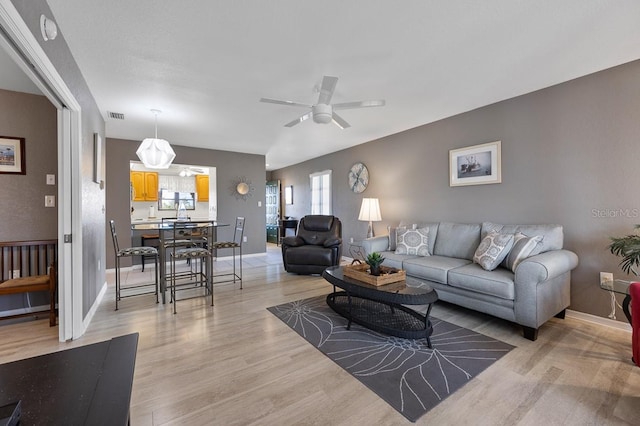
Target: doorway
pixel 23 49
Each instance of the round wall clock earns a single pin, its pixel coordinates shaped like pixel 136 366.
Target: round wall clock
pixel 358 178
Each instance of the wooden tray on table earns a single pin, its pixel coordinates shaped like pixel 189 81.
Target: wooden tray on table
pixel 387 275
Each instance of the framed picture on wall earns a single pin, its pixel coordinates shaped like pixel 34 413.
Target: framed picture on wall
pixel 12 159
pixel 475 165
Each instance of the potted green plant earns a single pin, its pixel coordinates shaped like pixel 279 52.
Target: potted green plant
pixel 374 260
pixel 627 247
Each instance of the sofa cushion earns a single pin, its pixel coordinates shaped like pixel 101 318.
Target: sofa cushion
pixel 393 236
pixel 432 268
pixel 522 248
pixel 472 277
pixel 492 250
pixel 552 235
pixel 433 231
pixel 413 241
pixel 457 240
pixel 393 260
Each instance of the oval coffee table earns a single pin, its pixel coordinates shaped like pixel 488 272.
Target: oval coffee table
pixel 381 308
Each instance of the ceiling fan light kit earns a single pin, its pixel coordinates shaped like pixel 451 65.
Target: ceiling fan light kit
pixel 155 153
pixel 323 112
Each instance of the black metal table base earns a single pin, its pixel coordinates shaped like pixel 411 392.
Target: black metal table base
pixel 388 318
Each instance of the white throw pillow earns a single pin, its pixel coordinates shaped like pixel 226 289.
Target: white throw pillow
pixel 522 248
pixel 492 250
pixel 413 241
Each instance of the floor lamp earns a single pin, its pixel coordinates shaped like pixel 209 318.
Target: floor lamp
pixel 370 212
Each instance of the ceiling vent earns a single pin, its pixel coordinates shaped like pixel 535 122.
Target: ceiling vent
pixel 115 115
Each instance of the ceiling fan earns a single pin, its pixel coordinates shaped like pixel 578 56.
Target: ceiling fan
pixel 324 111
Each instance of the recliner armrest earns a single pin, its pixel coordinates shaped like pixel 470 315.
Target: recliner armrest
pixel 331 242
pixel 293 241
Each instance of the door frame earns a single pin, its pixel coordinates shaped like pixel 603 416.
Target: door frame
pixel 22 45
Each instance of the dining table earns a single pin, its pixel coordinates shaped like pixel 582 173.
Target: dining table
pixel 165 229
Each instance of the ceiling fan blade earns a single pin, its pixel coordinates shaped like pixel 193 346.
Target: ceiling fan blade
pixel 339 121
pixel 299 119
pixel 359 104
pixel 279 102
pixel 326 91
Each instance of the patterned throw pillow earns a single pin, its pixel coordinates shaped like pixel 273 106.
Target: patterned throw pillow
pixel 393 236
pixel 492 250
pixel 413 241
pixel 522 248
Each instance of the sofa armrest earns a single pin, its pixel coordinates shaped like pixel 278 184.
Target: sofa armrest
pixel 545 266
pixel 292 241
pixel 376 244
pixel 333 242
pixel 542 286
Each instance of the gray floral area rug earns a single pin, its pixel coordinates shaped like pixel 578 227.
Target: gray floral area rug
pixel 405 373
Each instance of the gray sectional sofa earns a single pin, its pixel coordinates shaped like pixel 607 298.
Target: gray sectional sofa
pixel 537 289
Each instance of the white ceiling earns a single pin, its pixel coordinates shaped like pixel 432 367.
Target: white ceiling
pixel 206 64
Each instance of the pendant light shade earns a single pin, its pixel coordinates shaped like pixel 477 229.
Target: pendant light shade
pixel 156 153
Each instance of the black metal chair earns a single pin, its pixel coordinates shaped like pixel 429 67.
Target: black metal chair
pixel 130 252
pixel 238 234
pixel 193 238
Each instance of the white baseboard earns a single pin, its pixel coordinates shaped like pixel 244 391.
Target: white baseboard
pixel 87 319
pixel 625 326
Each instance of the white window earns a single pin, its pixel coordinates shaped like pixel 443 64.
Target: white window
pixel 321 192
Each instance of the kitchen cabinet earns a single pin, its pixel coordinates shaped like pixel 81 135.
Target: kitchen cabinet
pixel 202 187
pixel 144 186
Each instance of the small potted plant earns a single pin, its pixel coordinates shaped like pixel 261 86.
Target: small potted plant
pixel 374 260
pixel 627 247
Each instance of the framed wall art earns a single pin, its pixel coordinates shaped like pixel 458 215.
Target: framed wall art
pixel 12 159
pixel 475 165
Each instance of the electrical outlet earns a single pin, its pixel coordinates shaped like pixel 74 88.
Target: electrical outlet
pixel 51 179
pixel 606 276
pixel 15 273
pixel 49 200
pixel 244 239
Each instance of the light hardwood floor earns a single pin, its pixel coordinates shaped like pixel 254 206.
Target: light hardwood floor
pixel 236 364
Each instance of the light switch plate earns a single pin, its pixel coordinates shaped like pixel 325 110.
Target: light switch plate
pixel 49 200
pixel 51 179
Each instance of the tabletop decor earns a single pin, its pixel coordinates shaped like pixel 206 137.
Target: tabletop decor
pixel 387 275
pixel 374 260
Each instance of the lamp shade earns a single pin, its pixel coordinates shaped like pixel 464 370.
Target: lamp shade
pixel 155 153
pixel 370 210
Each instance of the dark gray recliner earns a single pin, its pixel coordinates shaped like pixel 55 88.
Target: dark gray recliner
pixel 316 246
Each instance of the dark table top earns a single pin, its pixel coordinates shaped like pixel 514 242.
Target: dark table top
pixel 408 292
pixel 85 385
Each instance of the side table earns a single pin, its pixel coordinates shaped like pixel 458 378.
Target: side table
pixel 620 287
pixel 356 251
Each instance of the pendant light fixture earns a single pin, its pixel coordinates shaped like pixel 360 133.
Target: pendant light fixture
pixel 156 153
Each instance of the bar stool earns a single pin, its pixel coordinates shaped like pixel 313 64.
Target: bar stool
pixel 130 252
pixel 194 238
pixel 143 242
pixel 235 244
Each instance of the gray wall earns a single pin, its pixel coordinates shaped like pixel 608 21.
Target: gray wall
pixel 22 208
pixel 229 166
pixel 93 199
pixel 24 216
pixel 569 156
